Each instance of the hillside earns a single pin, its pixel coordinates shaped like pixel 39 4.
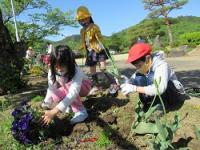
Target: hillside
pixel 148 29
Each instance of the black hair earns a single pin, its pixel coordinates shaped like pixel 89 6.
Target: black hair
pixel 143 59
pixel 63 56
pixel 91 20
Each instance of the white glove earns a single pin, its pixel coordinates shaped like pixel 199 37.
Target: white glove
pixel 125 78
pixel 127 88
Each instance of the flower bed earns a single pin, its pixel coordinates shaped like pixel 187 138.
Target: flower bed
pixel 26 126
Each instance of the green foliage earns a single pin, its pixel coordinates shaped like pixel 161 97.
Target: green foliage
pixel 39 25
pixel 161 133
pixel 73 41
pixel 37 98
pixel 5 103
pixel 147 29
pixel 163 8
pixel 103 140
pixel 21 6
pixel 8 142
pixel 197 133
pixel 141 125
pixel 191 38
pixel 11 79
pixel 36 70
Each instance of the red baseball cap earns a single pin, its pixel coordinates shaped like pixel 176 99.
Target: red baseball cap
pixel 137 51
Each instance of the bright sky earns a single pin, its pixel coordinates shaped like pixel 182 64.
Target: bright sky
pixel 115 15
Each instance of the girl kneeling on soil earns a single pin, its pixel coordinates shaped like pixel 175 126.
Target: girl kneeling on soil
pixel 151 67
pixel 66 84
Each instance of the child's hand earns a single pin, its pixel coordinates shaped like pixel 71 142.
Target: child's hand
pixel 49 115
pixel 127 88
pixel 125 79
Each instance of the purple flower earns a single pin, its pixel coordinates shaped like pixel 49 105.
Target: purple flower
pixel 23 124
pixel 14 132
pixel 27 117
pixel 22 127
pixel 23 103
pixel 22 136
pixel 15 112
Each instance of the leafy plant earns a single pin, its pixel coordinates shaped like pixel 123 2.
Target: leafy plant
pixel 164 138
pixel 26 127
pixel 197 133
pixel 191 38
pixel 163 8
pixel 36 70
pixel 161 133
pixel 11 79
pixel 37 98
pixel 5 103
pixel 104 139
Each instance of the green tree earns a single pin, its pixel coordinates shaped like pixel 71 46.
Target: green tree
pixel 147 29
pixel 40 25
pixel 163 8
pixel 115 42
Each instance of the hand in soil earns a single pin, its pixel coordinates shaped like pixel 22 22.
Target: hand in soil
pixel 49 115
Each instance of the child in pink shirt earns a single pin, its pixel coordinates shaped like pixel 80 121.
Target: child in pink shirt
pixel 66 83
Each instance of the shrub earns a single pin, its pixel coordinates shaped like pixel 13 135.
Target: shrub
pixel 10 80
pixel 191 39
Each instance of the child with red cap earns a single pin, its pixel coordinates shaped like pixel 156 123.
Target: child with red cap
pixel 150 67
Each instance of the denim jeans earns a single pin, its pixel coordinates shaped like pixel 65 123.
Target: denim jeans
pixel 170 96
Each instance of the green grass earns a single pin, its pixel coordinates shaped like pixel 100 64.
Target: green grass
pixel 37 98
pixel 103 140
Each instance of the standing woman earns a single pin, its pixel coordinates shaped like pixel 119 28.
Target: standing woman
pixel 92 43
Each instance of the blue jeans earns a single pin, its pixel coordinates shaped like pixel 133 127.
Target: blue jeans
pixel 170 97
pixel 142 80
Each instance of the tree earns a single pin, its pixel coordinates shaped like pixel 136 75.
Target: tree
pixel 40 25
pixel 114 42
pixel 163 8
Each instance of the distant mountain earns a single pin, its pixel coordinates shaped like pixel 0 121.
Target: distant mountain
pixel 74 38
pixel 148 29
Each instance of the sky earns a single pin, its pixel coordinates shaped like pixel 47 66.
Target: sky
pixel 115 15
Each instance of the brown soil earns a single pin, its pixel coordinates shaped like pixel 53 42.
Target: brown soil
pixel 115 116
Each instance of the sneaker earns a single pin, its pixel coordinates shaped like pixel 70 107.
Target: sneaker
pixel 93 91
pixel 68 109
pixel 46 105
pixel 79 116
pixel 159 107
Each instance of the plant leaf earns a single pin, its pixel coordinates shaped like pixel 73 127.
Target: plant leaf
pixel 144 128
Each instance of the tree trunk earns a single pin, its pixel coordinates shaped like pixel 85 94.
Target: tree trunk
pixel 11 61
pixel 169 30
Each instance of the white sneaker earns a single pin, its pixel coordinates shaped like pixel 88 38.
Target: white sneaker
pixel 79 116
pixel 46 105
pixel 68 109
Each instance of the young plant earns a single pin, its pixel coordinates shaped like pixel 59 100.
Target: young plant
pixel 197 133
pixel 26 127
pixel 103 140
pixel 161 133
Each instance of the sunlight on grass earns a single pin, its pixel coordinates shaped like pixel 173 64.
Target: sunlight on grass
pixel 103 140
